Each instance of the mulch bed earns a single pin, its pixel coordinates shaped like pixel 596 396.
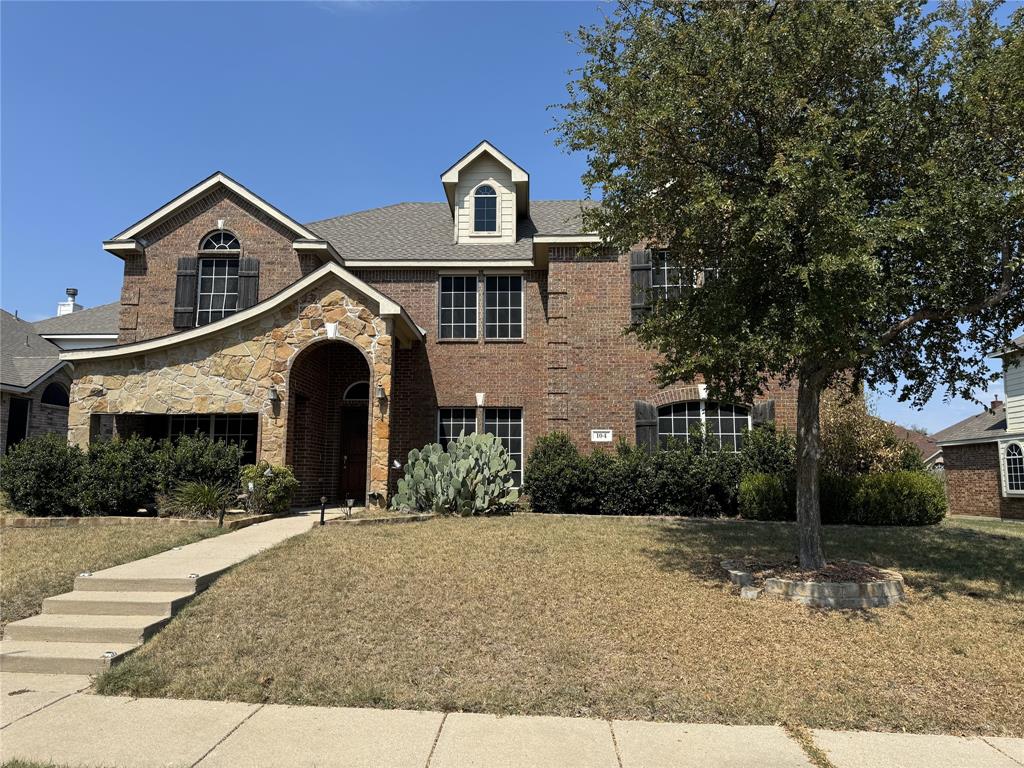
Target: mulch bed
pixel 834 571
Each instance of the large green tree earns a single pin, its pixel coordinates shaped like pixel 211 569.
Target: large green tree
pixel 852 170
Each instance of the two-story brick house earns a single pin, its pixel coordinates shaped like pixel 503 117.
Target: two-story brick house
pixel 339 345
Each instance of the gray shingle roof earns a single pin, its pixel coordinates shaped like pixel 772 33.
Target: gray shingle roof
pixel 101 319
pixel 423 231
pixel 24 354
pixel 982 427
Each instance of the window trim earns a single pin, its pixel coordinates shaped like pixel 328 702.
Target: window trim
pixel 67 394
pixel 345 397
pixel 440 290
pixel 659 264
pixel 703 407
pixel 1004 480
pixel 522 304
pixel 496 232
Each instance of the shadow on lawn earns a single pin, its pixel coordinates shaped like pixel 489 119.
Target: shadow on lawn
pixel 937 561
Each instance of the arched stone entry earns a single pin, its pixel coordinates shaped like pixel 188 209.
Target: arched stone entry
pixel 328 435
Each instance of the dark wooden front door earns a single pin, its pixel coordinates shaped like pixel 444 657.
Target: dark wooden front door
pixel 353 454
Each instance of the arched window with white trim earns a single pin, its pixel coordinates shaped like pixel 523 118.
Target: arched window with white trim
pixel 1013 464
pixel 725 422
pixel 358 392
pixel 485 209
pixel 217 296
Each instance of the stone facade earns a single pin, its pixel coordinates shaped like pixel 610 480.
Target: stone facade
pixel 973 484
pixel 233 371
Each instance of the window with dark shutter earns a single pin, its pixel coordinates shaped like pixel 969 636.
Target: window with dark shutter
pixel 248 281
pixel 640 283
pixel 185 292
pixel 646 426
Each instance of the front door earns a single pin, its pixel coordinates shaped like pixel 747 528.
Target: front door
pixel 353 454
pixel 17 421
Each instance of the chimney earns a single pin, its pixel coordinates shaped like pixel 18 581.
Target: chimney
pixel 996 403
pixel 70 305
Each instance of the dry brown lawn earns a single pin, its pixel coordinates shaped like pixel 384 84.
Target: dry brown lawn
pixel 40 562
pixel 606 618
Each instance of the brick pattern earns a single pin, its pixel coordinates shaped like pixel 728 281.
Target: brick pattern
pixel 147 295
pixel 42 419
pixel 973 482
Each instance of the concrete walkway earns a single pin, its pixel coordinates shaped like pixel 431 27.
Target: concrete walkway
pixel 112 612
pixel 48 718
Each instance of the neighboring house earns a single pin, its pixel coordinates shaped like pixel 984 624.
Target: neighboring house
pixel 75 327
pixel 930 451
pixel 338 346
pixel 34 383
pixel 984 454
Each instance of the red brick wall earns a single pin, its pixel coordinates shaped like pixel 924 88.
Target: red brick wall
pixel 973 483
pixel 147 296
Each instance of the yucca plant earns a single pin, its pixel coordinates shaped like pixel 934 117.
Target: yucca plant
pixel 195 499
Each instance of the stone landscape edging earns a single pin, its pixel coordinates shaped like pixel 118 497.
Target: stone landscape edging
pixel 103 520
pixel 390 519
pixel 880 593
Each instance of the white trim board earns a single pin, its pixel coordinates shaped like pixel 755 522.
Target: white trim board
pixel 386 308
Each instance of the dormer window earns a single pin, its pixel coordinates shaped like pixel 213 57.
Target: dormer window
pixel 218 277
pixel 485 209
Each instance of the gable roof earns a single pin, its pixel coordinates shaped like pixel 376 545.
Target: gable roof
pixel 101 320
pixel 386 307
pixel 924 443
pixel 1015 346
pixel 26 358
pixel 127 241
pixel 520 178
pixel 422 232
pixel 984 427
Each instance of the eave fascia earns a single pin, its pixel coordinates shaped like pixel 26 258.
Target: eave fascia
pixel 386 308
pixel 39 380
pixel 566 239
pixel 122 248
pixel 319 247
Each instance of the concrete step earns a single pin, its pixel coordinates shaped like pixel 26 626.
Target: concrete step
pixel 61 658
pixel 89 628
pixel 143 584
pixel 117 603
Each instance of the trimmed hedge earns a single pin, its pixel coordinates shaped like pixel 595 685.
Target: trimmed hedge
pixel 765 497
pixel 42 476
pixel 899 498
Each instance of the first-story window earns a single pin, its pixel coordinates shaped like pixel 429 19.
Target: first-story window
pixel 1014 463
pixel 507 425
pixel 724 421
pixel 457 307
pixel 218 289
pixel 235 428
pixel 503 307
pixel 451 422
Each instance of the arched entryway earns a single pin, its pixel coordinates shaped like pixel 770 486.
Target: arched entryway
pixel 329 423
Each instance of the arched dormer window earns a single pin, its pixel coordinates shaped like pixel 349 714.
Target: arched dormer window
pixel 217 296
pixel 55 394
pixel 485 209
pixel 360 391
pixel 1014 458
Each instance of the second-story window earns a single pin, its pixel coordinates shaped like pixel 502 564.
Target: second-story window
pixel 218 277
pixel 503 307
pixel 457 307
pixel 485 209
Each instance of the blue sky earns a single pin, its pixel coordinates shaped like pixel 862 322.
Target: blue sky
pixel 110 109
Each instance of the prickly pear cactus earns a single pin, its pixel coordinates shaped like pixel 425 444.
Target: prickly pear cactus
pixel 473 477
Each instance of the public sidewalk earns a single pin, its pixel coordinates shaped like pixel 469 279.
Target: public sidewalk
pixel 50 719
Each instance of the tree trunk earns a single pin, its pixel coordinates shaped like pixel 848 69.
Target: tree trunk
pixel 808 451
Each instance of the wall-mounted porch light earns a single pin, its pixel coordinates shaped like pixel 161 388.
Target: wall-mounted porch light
pixel 380 393
pixel 272 396
pixel 480 399
pixel 332 330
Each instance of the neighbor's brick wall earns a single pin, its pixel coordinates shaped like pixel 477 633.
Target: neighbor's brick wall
pixel 42 419
pixel 973 484
pixel 147 295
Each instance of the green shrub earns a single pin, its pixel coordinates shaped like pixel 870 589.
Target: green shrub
pixel 473 477
pixel 765 497
pixel 768 451
pixel 836 494
pixel 198 458
pixel 899 498
pixel 121 476
pixel 198 500
pixel 549 478
pixel 41 475
pixel 269 489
